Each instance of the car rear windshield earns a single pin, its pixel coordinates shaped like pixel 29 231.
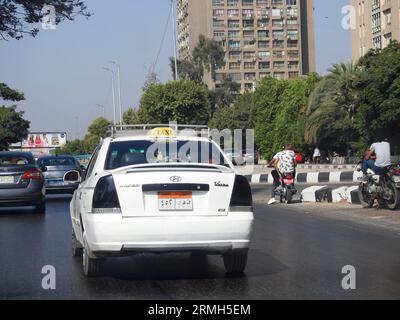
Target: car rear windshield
pixel 56 162
pixel 16 160
pixel 127 153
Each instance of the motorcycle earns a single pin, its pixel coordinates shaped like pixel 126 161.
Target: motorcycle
pixel 287 189
pixel 383 188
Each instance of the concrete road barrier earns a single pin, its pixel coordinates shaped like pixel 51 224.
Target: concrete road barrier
pixel 326 194
pixel 311 177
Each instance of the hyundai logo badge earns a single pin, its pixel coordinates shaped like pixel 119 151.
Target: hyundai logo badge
pixel 175 179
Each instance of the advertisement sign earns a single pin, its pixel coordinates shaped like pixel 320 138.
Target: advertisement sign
pixel 45 140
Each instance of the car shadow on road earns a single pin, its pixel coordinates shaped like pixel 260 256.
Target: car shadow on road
pixel 186 267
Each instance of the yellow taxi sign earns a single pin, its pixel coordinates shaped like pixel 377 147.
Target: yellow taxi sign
pixel 162 132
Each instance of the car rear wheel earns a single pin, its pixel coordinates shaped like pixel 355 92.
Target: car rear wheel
pixel 92 267
pixel 235 262
pixel 41 208
pixel 76 247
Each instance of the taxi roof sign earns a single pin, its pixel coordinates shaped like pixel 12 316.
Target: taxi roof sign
pixel 164 132
pixel 171 130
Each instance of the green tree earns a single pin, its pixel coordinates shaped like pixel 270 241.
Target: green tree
pixel 131 116
pixel 96 130
pixel 187 70
pixel 6 93
pixel 183 101
pixel 74 147
pixel 209 55
pixel 13 127
pixel 332 109
pixel 240 115
pixel 18 16
pixel 224 94
pixel 378 99
pixel 281 113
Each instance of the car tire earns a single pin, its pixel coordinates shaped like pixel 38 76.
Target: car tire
pixel 235 262
pixel 76 247
pixel 41 207
pixel 92 267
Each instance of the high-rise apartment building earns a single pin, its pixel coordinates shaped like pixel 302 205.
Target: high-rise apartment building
pixel 377 25
pixel 260 37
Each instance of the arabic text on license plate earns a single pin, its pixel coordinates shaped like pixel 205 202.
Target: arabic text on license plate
pixel 179 201
pixel 6 179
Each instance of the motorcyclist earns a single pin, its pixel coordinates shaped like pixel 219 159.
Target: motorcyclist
pixel 381 152
pixel 284 163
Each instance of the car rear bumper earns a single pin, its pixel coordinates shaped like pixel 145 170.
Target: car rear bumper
pixel 21 201
pixel 110 234
pixel 18 197
pixel 61 189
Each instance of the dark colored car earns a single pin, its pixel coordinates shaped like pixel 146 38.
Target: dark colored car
pixel 54 169
pixel 21 181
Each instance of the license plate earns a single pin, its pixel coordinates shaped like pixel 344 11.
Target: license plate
pixel 175 201
pixel 396 179
pixel 6 179
pixel 55 183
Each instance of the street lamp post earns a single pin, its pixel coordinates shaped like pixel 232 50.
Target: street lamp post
pixel 175 40
pixel 119 88
pixel 113 93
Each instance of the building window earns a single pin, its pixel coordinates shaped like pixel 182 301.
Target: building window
pixel 249 65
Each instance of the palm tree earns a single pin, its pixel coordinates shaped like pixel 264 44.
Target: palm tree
pixel 332 102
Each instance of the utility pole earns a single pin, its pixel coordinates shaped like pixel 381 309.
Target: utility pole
pixel 174 22
pixel 113 93
pixel 119 89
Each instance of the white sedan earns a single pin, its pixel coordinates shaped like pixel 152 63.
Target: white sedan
pixel 161 191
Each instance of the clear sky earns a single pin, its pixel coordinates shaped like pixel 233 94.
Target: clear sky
pixel 60 71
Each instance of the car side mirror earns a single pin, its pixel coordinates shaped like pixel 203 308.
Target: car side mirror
pixel 43 169
pixel 72 177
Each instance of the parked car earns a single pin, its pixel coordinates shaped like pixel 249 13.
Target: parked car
pixel 236 156
pixel 21 181
pixel 55 168
pixel 251 156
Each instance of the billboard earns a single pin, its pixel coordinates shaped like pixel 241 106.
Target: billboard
pixel 41 143
pixel 44 140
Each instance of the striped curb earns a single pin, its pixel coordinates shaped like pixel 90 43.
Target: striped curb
pixel 311 177
pixel 326 194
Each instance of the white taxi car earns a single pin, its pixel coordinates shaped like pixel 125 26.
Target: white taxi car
pixel 161 190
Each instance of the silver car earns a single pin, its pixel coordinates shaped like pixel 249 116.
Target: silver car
pixel 21 181
pixel 54 169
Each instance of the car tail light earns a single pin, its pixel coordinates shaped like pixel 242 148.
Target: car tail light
pixel 396 172
pixel 105 198
pixel 32 175
pixel 242 199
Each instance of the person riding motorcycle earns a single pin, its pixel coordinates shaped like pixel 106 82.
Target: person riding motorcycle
pixel 284 163
pixel 382 154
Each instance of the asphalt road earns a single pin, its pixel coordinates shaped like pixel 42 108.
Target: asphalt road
pixel 295 255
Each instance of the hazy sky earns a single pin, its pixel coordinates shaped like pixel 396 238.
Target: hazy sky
pixel 60 71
